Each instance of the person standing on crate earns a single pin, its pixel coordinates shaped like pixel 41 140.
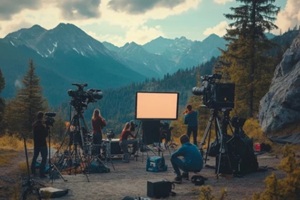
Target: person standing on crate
pixel 40 133
pixel 125 140
pixel 191 120
pixel 98 123
pixel 192 160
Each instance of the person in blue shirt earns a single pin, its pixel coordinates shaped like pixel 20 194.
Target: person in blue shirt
pixel 191 119
pixel 192 159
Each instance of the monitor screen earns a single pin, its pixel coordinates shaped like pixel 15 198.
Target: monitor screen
pixel 157 105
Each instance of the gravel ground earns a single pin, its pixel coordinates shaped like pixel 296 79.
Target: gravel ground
pixel 130 179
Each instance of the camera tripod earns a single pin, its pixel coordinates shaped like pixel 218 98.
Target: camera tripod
pixel 72 158
pixel 30 187
pixel 53 170
pixel 221 133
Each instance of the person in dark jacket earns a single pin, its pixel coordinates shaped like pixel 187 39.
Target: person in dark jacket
pixel 191 120
pixel 192 159
pixel 40 133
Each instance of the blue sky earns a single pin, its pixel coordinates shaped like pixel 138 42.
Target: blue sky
pixel 140 21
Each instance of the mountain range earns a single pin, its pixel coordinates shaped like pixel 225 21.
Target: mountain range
pixel 66 54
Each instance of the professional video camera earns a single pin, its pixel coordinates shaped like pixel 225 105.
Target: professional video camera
pixel 215 95
pixel 49 121
pixel 81 98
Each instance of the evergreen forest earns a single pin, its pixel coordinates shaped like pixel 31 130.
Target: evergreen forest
pixel 248 61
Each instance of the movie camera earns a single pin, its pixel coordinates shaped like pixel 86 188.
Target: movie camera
pixel 81 98
pixel 215 95
pixel 49 119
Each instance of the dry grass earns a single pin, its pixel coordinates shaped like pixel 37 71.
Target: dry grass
pixel 11 148
pixel 8 142
pixel 6 155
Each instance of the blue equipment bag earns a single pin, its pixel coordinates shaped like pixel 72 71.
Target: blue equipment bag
pixel 156 164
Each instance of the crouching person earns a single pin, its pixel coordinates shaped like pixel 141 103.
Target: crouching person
pixel 126 139
pixel 191 161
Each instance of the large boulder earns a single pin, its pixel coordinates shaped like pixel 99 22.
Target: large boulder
pixel 280 107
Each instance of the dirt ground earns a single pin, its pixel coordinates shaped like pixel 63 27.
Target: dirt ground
pixel 130 179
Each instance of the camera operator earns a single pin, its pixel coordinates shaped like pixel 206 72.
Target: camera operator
pixel 98 123
pixel 125 141
pixel 40 134
pixel 191 119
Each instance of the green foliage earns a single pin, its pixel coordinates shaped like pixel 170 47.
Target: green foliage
pixel 246 60
pixel 2 102
pixel 254 131
pixel 287 187
pixel 21 111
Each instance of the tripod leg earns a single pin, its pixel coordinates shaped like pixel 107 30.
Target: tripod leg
pixel 108 153
pixel 84 167
pixel 31 187
pixel 207 133
pixel 54 171
pixel 222 152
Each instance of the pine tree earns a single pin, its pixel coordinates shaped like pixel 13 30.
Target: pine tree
pixel 245 59
pixel 21 111
pixel 2 102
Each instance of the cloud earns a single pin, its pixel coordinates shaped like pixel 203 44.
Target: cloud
pixel 10 7
pixel 222 1
pixel 289 17
pixel 132 20
pixel 141 6
pixel 219 29
pixel 143 34
pixel 156 9
pixel 79 9
pixel 138 34
pixel 18 84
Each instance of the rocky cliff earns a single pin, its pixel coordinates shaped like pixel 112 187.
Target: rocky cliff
pixel 280 107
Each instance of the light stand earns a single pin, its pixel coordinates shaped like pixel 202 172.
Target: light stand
pixel 141 146
pixel 31 186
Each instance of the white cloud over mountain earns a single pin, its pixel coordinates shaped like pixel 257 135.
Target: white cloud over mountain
pixel 219 29
pixel 289 17
pixel 120 21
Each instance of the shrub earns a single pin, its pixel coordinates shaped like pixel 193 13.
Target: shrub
pixel 287 187
pixel 206 194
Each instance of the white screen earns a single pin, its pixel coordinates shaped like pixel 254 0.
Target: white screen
pixel 156 105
